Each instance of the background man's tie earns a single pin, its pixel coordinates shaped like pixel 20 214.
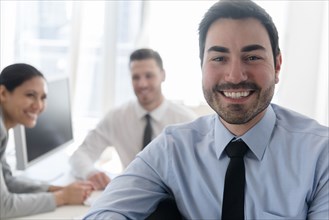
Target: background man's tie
pixel 147 131
pixel 233 199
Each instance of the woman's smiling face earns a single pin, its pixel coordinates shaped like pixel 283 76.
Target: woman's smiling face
pixel 24 104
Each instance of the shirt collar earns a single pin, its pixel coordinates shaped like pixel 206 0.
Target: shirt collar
pixel 257 138
pixel 157 114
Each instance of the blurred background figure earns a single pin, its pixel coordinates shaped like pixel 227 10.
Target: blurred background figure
pixel 23 93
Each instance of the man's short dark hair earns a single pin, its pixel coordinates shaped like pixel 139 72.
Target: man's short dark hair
pixel 238 9
pixel 145 53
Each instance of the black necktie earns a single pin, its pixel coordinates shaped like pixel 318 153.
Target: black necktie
pixel 147 131
pixel 233 199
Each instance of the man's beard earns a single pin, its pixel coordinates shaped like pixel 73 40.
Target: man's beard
pixel 238 113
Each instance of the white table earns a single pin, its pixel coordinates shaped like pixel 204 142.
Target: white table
pixel 75 212
pixel 64 212
pixel 61 179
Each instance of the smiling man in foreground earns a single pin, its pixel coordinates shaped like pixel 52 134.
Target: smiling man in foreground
pixel 251 160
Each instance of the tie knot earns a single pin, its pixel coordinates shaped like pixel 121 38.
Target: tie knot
pixel 148 117
pixel 236 148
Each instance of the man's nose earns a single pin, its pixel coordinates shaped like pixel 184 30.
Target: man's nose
pixel 236 72
pixel 143 82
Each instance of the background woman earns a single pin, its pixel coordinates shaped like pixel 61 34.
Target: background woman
pixel 23 92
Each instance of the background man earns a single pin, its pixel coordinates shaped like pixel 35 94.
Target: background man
pixel 123 127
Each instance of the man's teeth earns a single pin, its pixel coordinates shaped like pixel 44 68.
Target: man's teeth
pixel 236 95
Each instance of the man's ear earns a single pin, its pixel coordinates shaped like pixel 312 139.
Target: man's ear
pixel 278 64
pixel 3 93
pixel 163 75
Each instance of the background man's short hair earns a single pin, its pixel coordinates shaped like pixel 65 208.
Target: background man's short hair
pixel 145 53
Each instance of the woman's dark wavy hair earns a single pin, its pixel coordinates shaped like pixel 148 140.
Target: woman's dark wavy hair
pixel 16 74
pixel 238 9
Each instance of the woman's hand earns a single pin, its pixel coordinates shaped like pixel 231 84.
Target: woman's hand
pixel 75 193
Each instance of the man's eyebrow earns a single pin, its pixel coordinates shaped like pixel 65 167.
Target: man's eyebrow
pixel 218 49
pixel 244 49
pixel 252 47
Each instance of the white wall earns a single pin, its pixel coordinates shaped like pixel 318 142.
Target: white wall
pixel 303 82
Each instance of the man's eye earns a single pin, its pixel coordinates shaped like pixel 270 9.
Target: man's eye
pixel 149 76
pixel 219 59
pixel 252 58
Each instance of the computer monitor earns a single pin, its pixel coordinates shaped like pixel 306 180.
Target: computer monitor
pixel 53 130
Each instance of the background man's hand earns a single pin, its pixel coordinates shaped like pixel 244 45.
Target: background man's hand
pixel 99 180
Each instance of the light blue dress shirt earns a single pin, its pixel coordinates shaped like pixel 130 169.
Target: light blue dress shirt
pixel 287 171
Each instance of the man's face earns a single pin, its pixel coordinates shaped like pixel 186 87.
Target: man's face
pixel 238 72
pixel 146 79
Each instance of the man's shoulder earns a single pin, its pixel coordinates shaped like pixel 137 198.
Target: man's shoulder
pixel 123 107
pixel 180 109
pixel 202 125
pixel 293 121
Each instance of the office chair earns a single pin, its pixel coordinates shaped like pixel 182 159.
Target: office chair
pixel 166 210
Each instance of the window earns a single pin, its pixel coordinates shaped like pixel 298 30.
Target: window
pixel 89 41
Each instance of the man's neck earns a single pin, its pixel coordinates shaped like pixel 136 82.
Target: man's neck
pixel 150 107
pixel 241 129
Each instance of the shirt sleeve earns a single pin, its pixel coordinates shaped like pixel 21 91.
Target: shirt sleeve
pixel 19 185
pixel 182 113
pixel 83 159
pixel 133 195
pixel 25 202
pixel 319 206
